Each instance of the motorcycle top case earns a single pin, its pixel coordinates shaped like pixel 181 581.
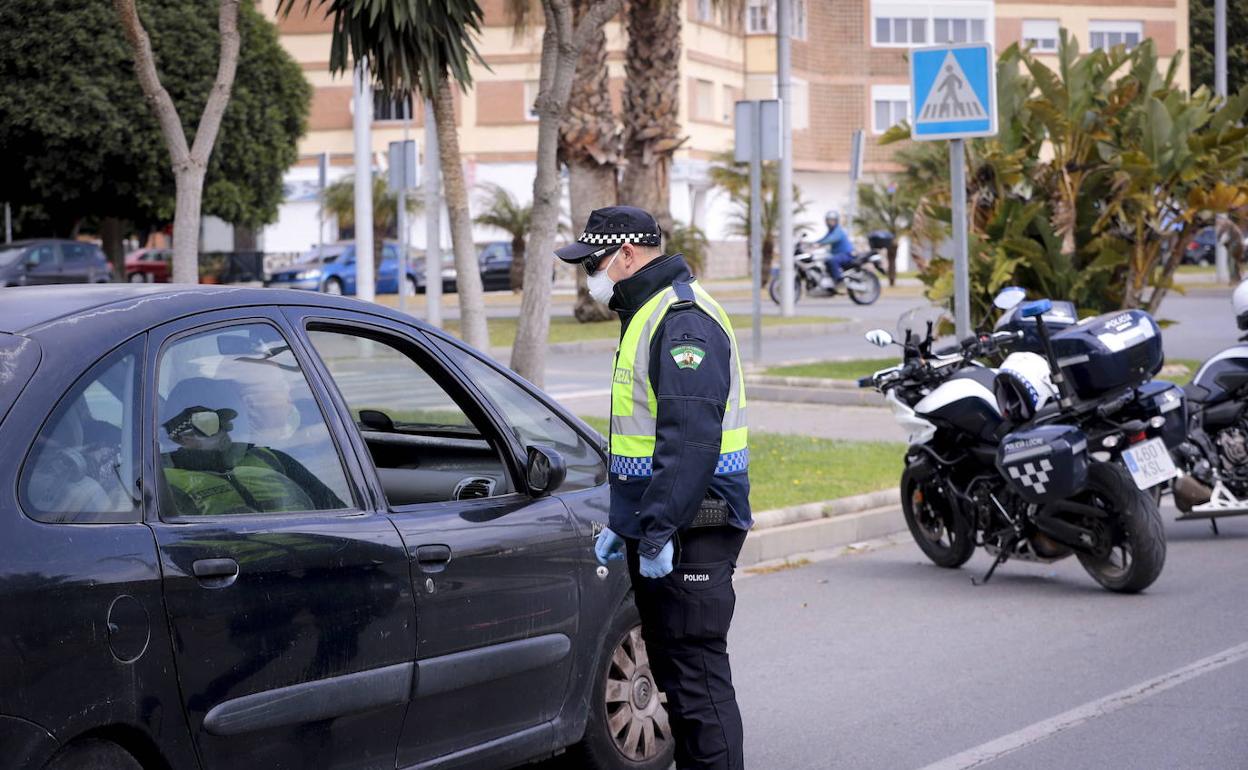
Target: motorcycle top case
pixel 1044 464
pixel 1109 352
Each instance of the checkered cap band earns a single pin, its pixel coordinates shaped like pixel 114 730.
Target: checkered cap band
pixel 640 467
pixel 614 239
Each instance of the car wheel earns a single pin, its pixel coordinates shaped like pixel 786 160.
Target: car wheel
pixel 628 727
pixel 93 755
pixel 333 286
pixel 137 278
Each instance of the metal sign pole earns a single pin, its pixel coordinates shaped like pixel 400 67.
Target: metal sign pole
pixel 784 193
pixel 961 264
pixel 756 230
pixel 433 221
pixel 402 213
pixel 322 174
pixel 1221 268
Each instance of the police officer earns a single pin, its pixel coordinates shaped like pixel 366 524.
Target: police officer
pixel 679 472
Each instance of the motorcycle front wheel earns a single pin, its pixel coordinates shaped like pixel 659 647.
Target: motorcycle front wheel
pixel 863 288
pixel 1136 549
pixel 942 533
pixel 773 289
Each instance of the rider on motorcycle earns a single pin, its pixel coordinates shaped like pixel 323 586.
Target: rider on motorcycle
pixel 841 250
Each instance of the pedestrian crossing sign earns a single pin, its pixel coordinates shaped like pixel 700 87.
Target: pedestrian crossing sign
pixel 953 92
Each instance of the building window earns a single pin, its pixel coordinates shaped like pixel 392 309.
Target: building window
pixel 1041 34
pixel 760 17
pixel 703 100
pixel 890 105
pixel 385 108
pixel 531 89
pixel 904 25
pixel 730 100
pixel 703 12
pixel 1107 34
pixel 958 31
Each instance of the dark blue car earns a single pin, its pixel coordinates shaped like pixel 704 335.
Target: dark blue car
pixel 249 528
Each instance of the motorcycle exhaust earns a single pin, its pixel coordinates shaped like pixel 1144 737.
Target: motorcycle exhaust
pixel 1188 493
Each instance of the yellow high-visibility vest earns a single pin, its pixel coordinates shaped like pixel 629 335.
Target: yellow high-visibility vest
pixel 634 408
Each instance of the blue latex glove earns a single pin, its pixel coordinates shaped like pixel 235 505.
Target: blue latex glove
pixel 660 565
pixel 608 547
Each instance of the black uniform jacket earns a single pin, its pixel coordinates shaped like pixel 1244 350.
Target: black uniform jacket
pixel 691 403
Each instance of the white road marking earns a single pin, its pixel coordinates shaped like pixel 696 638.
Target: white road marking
pixel 1032 734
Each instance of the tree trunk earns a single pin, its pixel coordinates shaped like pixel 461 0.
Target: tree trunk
pixel 190 163
pixel 110 234
pixel 590 186
pixel 515 275
pixel 768 256
pixel 652 105
pixel 244 238
pixel 468 273
pixel 561 44
pixel 892 263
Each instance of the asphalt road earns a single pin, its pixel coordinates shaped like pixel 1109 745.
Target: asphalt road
pixel 879 659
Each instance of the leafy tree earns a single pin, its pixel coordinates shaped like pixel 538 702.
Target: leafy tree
pixel 80 143
pixel 886 207
pixel 420 46
pixel 692 242
pixel 1201 31
pixel 734 179
pixel 501 210
pixel 1103 171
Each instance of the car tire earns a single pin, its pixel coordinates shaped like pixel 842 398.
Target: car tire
pixel 602 748
pixel 137 278
pixel 93 755
pixel 332 286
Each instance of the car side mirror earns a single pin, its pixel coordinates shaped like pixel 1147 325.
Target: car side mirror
pixel 879 338
pixel 1008 297
pixel 545 470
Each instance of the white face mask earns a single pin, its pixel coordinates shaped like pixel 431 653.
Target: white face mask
pixel 601 287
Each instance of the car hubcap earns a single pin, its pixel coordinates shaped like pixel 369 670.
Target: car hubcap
pixel 636 714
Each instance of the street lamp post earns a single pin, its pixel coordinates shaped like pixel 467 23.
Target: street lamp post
pixel 365 288
pixel 784 193
pixel 1221 268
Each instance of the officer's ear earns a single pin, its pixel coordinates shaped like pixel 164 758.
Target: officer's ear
pixel 628 256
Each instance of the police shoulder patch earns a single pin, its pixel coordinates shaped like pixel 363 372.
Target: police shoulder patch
pixel 688 356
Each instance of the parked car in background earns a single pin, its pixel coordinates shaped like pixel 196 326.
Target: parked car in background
pixel 49 261
pixel 149 266
pixel 249 528
pixel 495 259
pixel 331 270
pixel 1202 249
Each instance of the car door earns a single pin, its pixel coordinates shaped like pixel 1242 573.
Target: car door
pixel 388 272
pixel 496 593
pixel 75 263
pixel 288 594
pixel 43 264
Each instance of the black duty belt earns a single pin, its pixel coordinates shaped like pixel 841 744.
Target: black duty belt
pixel 712 512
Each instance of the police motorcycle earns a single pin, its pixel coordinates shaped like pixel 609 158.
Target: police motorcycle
pixel 1152 414
pixel 1214 456
pixel 1000 459
pixel 861 278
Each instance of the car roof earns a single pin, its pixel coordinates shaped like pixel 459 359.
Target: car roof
pixel 25 308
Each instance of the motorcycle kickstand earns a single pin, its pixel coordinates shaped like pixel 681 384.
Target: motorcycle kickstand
pixel 1214 523
pixel 997 562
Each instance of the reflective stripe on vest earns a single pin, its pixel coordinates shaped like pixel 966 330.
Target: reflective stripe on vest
pixel 634 407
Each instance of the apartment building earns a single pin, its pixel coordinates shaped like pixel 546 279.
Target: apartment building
pixel 849 72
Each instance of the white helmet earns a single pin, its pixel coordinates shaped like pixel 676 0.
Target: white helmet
pixel 832 215
pixel 1024 385
pixel 1240 300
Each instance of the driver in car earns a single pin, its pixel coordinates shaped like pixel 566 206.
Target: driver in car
pixel 210 473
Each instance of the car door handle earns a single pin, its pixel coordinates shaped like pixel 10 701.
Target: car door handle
pixel 433 558
pixel 215 573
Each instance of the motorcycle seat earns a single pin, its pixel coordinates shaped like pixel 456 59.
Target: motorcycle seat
pixel 1196 394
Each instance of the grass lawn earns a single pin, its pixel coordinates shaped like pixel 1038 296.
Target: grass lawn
pixel 567 329
pixel 835 370
pixel 789 470
pixel 1179 370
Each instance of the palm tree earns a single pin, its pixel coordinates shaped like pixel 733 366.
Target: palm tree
pixel 734 179
pixel 338 200
pixel 501 210
pixel 420 47
pixel 888 208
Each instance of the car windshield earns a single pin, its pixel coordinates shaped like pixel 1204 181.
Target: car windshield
pixel 9 256
pixel 327 254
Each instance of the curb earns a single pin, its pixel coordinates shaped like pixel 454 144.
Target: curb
pixel 810 390
pixel 783 532
pixel 608 344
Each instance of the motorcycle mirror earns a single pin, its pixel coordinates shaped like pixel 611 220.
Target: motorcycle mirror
pixel 1009 297
pixel 1036 308
pixel 879 338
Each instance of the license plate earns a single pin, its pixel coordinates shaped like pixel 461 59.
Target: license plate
pixel 1149 463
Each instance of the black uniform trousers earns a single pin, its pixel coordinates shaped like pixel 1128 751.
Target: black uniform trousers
pixel 684 621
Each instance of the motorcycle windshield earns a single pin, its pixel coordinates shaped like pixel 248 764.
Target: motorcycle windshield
pixel 915 322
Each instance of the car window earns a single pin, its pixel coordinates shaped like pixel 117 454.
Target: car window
pixel 389 251
pixel 42 255
pixel 75 253
pixel 84 466
pixel 423 442
pixel 534 423
pixel 239 430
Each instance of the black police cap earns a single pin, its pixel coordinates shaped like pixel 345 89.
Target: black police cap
pixel 610 227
